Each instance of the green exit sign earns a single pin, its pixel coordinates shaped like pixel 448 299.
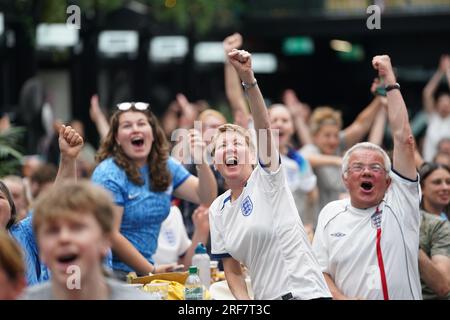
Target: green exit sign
pixel 298 46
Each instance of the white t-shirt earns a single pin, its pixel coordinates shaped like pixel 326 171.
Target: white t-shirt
pixel 437 129
pixel 345 243
pixel 263 230
pixel 301 179
pixel 173 240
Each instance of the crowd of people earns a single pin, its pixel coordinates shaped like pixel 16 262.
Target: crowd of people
pixel 283 194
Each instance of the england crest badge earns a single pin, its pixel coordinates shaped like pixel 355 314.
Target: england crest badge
pixel 376 219
pixel 247 206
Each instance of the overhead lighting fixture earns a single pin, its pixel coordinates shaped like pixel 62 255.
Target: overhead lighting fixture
pixel 209 52
pixel 166 48
pixel 341 46
pixel 298 46
pixel 114 43
pixel 55 35
pixel 264 63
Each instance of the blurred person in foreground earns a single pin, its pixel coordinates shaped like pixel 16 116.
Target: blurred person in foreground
pixel 12 268
pixel 73 223
pixel 70 144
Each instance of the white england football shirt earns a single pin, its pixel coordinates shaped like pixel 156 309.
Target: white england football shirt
pixel 263 230
pixel 298 178
pixel 373 253
pixel 173 240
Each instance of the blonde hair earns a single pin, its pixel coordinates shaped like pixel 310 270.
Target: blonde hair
pixel 11 259
pixel 323 116
pixel 74 198
pixel 228 127
pixel 211 113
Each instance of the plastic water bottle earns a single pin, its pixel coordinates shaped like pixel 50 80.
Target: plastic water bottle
pixel 193 288
pixel 202 261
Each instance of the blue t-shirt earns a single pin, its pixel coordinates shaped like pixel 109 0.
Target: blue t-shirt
pixel 143 209
pixel 22 232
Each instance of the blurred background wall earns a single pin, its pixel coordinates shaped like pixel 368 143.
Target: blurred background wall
pixel 320 48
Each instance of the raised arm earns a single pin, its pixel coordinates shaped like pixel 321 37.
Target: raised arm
pixel 363 122
pixel 299 114
pixel 433 83
pixel 233 88
pixel 376 133
pixel 267 153
pixel 70 145
pixel 201 190
pixel 404 145
pixel 377 130
pixel 188 112
pixel 98 117
pixel 447 69
pixel 319 160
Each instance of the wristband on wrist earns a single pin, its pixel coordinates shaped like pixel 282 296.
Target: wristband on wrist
pixel 249 85
pixel 392 87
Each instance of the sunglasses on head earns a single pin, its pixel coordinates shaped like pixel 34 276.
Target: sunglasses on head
pixel 141 106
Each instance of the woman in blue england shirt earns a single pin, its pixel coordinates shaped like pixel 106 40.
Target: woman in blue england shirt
pixel 136 168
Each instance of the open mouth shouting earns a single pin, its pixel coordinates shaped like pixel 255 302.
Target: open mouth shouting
pixel 137 142
pixel 231 162
pixel 64 260
pixel 366 186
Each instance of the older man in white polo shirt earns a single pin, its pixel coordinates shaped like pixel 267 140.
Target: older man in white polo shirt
pixel 368 245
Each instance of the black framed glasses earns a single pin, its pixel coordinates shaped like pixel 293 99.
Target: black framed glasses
pixel 141 106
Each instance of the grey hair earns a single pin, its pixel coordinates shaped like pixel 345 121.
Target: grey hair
pixel 366 146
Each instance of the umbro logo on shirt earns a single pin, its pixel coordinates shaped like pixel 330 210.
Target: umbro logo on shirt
pixel 338 234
